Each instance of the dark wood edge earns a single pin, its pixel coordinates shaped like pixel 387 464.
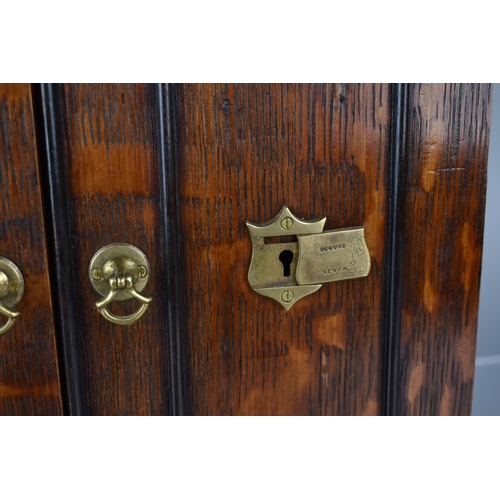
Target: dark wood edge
pixel 59 228
pixel 393 284
pixel 172 247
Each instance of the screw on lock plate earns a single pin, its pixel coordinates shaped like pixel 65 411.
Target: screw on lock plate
pixel 288 271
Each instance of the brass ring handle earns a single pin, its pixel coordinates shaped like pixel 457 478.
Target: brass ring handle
pixel 11 292
pixel 123 320
pixel 120 272
pixel 12 315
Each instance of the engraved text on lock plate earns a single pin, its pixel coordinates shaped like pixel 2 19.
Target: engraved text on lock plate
pixel 332 256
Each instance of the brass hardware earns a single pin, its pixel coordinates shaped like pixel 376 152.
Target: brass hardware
pixel 119 272
pixel 288 271
pixel 11 291
pixel 287 223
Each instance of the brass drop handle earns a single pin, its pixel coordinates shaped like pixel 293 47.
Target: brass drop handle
pixel 119 272
pixel 11 292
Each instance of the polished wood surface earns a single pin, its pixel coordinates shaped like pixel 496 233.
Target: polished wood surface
pixel 442 219
pixel 29 379
pixel 109 142
pixel 245 151
pixel 177 170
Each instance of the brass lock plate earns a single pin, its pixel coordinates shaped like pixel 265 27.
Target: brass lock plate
pixel 288 271
pixel 335 255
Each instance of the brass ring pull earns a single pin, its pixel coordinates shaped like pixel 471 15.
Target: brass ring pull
pixel 120 272
pixel 123 320
pixel 11 292
pixel 12 318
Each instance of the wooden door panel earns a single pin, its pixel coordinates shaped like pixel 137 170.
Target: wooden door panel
pixel 106 165
pixel 442 218
pixel 247 150
pixel 29 378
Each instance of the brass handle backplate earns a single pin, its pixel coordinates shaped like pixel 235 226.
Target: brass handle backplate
pixel 11 292
pixel 119 272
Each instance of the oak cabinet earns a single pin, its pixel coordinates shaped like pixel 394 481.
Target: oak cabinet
pixel 176 170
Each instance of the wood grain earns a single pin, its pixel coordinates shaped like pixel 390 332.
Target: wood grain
pixel 177 170
pixel 29 379
pixel 444 185
pixel 245 151
pixel 111 138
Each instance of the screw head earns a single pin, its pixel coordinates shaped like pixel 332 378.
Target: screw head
pixel 142 270
pixel 15 285
pixel 287 223
pixel 97 274
pixel 287 296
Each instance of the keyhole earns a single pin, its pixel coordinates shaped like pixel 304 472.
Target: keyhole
pixel 286 258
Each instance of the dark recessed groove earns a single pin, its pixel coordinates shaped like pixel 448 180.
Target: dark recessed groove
pixel 393 285
pixel 59 229
pixel 172 247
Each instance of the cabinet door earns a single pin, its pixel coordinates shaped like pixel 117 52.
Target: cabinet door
pixel 406 162
pixel 177 170
pixel 106 169
pixel 29 378
pixel 246 151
